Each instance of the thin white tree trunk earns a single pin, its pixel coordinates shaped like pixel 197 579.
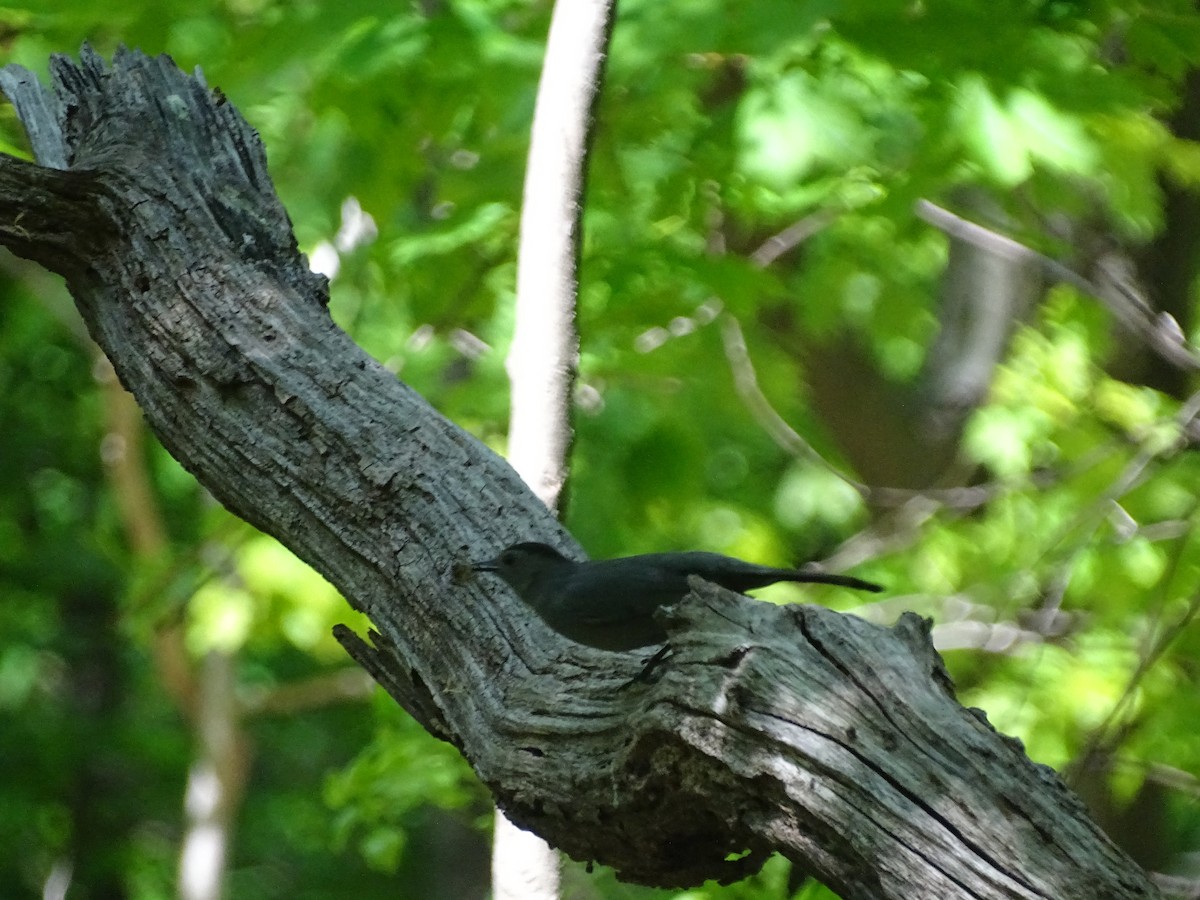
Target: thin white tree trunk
pixel 214 784
pixel 545 347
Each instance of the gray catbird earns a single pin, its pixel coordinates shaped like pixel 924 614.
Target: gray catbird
pixel 610 603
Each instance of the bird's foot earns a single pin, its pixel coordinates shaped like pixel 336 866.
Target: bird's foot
pixel 644 676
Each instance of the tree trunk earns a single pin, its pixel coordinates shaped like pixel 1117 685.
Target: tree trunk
pixel 545 348
pixel 835 742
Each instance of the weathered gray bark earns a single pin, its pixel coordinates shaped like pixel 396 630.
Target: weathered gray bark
pixel 833 741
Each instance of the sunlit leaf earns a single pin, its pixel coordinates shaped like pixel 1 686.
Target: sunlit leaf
pixel 994 139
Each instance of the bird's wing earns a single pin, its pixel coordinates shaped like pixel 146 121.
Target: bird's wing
pixel 610 591
pixel 734 574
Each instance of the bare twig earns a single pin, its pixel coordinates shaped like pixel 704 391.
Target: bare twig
pixel 1160 332
pixel 745 380
pixel 791 237
pixel 318 692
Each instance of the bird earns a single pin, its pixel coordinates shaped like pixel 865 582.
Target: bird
pixel 609 604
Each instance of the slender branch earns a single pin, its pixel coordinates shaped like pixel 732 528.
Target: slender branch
pixel 745 380
pixel 317 692
pixel 791 237
pixel 1100 735
pixel 1160 332
pixel 1133 472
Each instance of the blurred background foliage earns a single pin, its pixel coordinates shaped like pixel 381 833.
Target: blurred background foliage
pixel 774 329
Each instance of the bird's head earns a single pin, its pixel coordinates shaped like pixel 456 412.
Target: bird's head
pixel 524 565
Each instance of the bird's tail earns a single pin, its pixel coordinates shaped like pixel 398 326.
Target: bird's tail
pixel 847 581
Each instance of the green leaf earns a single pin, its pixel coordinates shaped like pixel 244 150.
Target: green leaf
pixel 989 133
pixel 1052 137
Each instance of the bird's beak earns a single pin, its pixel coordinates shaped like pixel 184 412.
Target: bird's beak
pixel 491 565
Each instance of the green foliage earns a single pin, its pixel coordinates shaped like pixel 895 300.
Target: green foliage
pixel 391 781
pixel 721 124
pixel 272 599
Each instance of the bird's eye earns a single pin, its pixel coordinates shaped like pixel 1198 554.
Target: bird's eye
pixel 508 558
